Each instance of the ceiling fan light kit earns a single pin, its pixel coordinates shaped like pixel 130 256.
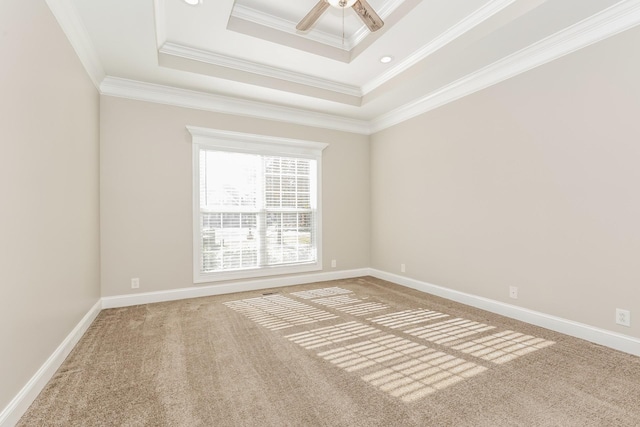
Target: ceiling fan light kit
pixel 361 7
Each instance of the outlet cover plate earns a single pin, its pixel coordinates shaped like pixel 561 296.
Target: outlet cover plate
pixel 623 317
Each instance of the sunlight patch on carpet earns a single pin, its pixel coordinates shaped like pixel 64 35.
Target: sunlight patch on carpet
pixel 362 309
pixel 336 301
pixel 370 352
pixel 405 318
pixel 449 330
pixel 402 368
pixel 332 334
pixel 502 347
pixel 319 293
pixel 341 302
pixel 279 312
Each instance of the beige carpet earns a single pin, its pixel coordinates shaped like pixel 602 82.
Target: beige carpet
pixel 359 352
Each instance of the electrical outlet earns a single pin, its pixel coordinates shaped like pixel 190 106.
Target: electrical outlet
pixel 513 292
pixel 135 283
pixel 334 264
pixel 403 268
pixel 623 317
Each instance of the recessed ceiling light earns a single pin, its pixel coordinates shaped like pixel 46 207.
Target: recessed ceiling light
pixel 193 2
pixel 386 59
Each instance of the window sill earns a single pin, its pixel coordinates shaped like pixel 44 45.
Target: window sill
pixel 256 273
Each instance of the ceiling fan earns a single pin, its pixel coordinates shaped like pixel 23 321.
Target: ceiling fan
pixel 362 8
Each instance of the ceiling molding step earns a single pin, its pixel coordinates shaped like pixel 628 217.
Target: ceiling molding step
pixel 160 16
pixel 256 17
pixel 69 20
pixel 607 23
pixel 149 92
pixel 460 28
pixel 255 68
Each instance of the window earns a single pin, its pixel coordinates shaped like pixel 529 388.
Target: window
pixel 256 205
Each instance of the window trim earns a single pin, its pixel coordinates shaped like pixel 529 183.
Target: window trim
pixel 251 144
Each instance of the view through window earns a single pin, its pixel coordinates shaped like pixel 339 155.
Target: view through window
pixel 257 210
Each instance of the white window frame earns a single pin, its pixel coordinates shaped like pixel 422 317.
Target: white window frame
pixel 252 144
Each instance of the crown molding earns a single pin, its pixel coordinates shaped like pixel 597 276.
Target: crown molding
pixel 460 28
pixel 131 89
pixel 255 68
pixel 607 23
pixel 72 26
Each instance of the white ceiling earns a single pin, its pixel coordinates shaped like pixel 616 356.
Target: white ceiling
pixel 247 55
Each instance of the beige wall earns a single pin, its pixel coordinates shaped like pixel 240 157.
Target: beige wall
pixel 531 183
pixel 146 192
pixel 49 241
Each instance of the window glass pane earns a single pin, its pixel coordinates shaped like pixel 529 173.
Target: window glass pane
pixel 303 184
pixel 288 200
pixel 272 165
pixel 274 240
pixel 303 167
pixel 288 166
pixel 249 221
pixel 273 200
pixel 288 183
pixel 272 183
pixel 228 179
pixel 255 211
pixel 229 241
pixel 289 237
pixel 304 201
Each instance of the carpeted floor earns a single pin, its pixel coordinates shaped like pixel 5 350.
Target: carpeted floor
pixel 358 352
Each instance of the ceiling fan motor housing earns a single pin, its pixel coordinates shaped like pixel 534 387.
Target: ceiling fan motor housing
pixel 342 4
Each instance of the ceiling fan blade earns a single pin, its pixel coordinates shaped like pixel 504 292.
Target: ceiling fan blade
pixel 368 15
pixel 312 16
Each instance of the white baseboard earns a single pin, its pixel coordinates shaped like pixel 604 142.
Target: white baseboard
pixel 609 339
pixel 228 288
pixel 19 405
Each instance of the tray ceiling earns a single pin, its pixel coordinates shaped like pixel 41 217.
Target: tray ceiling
pixel 249 51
